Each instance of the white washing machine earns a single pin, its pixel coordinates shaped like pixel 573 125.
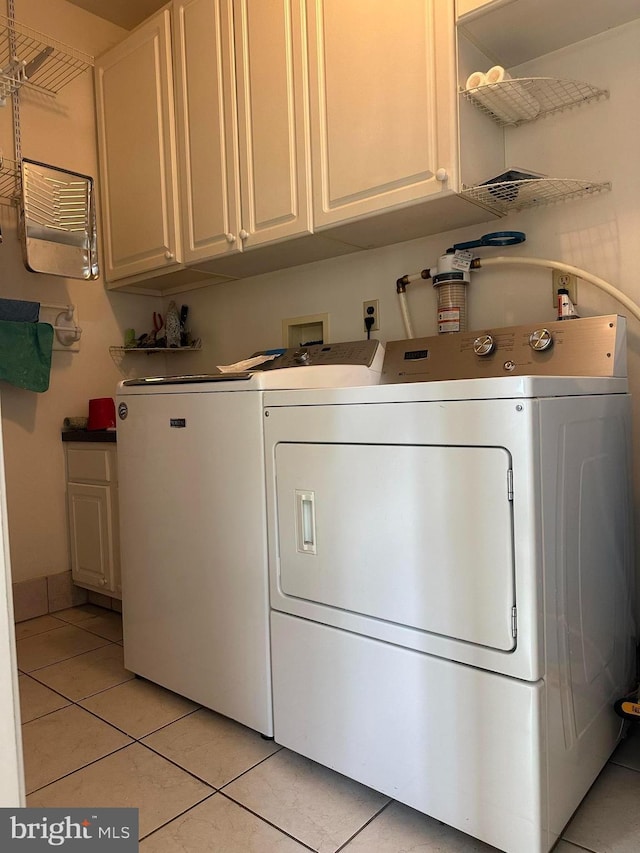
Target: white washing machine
pixel 193 524
pixel 450 573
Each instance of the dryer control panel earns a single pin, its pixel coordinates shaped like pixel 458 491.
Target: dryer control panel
pixel 587 346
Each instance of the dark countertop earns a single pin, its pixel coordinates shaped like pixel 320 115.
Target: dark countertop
pixel 89 435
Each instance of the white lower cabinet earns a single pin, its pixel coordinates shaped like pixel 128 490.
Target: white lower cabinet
pixel 92 505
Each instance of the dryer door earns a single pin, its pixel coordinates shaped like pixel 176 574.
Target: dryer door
pixel 419 536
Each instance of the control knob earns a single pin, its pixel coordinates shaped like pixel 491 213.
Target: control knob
pixel 301 356
pixel 540 340
pixel 484 345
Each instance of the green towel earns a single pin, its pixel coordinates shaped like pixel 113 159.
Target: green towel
pixel 25 354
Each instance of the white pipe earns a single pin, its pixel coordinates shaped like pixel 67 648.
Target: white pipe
pixel 629 304
pixel 404 310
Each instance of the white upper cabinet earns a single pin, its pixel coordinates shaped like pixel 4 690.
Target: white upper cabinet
pixel 207 129
pixel 242 124
pixel 301 129
pixel 382 84
pixel 136 137
pixel 273 129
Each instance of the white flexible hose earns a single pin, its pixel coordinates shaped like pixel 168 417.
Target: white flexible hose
pixel 404 310
pixel 629 304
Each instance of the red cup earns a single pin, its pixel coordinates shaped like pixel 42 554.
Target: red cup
pixel 102 413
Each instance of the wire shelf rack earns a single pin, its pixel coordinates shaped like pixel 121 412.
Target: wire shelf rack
pixel 507 196
pixel 115 351
pixel 515 102
pixel 129 368
pixel 28 57
pixel 9 181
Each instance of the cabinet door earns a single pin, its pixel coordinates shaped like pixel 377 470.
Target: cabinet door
pixel 207 128
pixel 91 526
pixel 383 121
pixel 272 119
pixel 136 138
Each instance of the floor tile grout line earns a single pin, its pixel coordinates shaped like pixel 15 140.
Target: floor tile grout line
pixel 78 769
pixel 86 710
pixel 266 820
pixel 165 725
pixel 89 695
pixel 253 766
pixel 71 657
pixel 579 846
pixel 79 626
pixel 41 684
pixel 195 775
pixel 179 766
pixel 365 825
pixel 106 722
pixel 40 633
pixel 47 714
pixel 104 612
pixel 181 814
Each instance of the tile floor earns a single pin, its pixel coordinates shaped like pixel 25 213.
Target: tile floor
pixel 96 736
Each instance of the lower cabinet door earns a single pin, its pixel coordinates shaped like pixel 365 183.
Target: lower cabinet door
pixel 90 532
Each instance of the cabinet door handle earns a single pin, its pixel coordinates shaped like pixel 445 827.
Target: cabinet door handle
pixel 442 175
pixel 231 238
pixel 244 234
pixel 169 255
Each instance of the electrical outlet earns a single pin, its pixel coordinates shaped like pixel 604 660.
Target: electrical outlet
pixel 565 279
pixel 370 309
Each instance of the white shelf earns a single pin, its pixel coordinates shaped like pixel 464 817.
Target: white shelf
pixel 515 102
pixel 516 31
pixel 30 58
pixel 508 196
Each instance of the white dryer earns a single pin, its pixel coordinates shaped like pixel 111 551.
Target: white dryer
pixel 450 573
pixel 193 524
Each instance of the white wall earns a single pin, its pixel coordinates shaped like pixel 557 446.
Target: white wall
pixel 59 131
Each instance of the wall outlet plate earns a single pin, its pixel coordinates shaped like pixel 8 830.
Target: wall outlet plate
pixel 565 279
pixel 371 309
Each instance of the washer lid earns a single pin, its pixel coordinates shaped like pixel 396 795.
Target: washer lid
pixel 187 379
pixel 319 366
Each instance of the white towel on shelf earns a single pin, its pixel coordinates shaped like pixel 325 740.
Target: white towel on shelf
pixel 490 100
pixel 515 97
pixel 510 104
pixel 475 79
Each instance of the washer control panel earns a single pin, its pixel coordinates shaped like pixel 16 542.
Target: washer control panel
pixel 587 346
pixel 348 352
